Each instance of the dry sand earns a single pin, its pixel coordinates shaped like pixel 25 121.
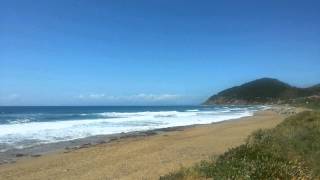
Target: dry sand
pixel 142 157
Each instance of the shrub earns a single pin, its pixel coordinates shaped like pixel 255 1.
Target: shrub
pixel 289 151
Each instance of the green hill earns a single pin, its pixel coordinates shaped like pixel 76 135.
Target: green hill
pixel 265 90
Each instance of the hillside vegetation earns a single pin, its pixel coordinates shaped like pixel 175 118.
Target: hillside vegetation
pixel 288 151
pixel 265 90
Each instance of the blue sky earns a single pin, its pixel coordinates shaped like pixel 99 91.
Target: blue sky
pixel 167 52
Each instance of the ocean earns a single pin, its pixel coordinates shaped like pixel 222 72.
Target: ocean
pixel 23 127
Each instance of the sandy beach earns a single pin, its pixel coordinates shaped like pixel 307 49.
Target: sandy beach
pixel 142 157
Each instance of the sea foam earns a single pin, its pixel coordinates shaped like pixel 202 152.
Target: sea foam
pixel 16 134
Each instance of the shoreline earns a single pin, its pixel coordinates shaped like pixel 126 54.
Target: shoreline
pixel 13 155
pixel 30 148
pixel 118 141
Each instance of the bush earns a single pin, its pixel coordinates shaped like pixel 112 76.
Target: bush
pixel 289 151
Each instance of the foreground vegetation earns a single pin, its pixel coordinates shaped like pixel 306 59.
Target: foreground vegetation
pixel 308 102
pixel 289 151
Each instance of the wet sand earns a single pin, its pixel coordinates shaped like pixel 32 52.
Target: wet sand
pixel 144 155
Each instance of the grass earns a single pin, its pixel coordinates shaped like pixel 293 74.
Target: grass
pixel 311 103
pixel 289 151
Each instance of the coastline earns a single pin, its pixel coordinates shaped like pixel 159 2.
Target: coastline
pixel 124 147
pixel 12 156
pixel 15 154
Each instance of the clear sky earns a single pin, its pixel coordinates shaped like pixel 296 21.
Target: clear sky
pixel 165 52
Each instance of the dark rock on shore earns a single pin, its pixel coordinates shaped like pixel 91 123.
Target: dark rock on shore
pixel 20 155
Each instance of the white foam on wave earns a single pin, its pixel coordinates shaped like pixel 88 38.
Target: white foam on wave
pixel 139 114
pixel 265 107
pixel 19 121
pixel 109 123
pixel 193 110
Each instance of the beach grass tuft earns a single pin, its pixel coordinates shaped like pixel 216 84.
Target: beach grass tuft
pixel 288 151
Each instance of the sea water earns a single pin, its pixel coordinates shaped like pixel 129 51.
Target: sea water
pixel 22 127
